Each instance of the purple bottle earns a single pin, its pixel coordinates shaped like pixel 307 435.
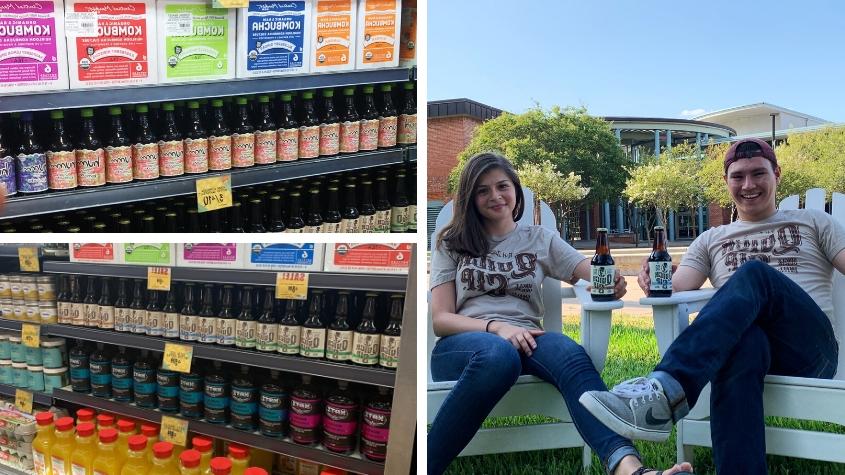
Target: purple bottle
pixel 7 166
pixel 30 159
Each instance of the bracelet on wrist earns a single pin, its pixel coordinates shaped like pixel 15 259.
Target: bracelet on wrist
pixel 487 328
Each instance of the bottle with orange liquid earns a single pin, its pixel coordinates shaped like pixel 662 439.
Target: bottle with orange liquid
pixel 42 443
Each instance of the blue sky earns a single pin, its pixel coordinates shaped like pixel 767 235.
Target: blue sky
pixel 640 58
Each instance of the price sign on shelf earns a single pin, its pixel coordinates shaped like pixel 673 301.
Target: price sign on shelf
pixel 229 3
pixel 31 335
pixel 23 400
pixel 158 278
pixel 177 357
pixel 291 285
pixel 214 193
pixel 174 430
pixel 29 259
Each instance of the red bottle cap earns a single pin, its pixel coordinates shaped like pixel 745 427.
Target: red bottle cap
pixel 332 471
pixel 162 450
pixel 108 435
pixel 149 430
pixel 221 465
pixel 190 458
pixel 202 444
pixel 125 425
pixel 105 420
pixel 44 418
pixel 85 429
pixel 137 442
pixel 255 471
pixel 64 423
pixel 238 451
pixel 85 415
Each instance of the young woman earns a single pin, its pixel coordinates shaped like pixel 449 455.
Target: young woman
pixel 486 305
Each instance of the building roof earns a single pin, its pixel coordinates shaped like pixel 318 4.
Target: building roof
pixel 664 123
pixel 756 109
pixel 461 107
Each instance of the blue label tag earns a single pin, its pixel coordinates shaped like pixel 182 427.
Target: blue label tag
pixel 275 35
pixel 282 254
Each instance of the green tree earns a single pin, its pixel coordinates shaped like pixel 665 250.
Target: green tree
pixel 561 192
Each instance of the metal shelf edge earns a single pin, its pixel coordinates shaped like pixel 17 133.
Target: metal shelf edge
pixel 38 397
pixel 13 325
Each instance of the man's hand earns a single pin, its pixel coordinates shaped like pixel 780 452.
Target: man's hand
pixel 521 338
pixel 644 279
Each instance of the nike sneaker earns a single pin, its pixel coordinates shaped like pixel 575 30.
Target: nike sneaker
pixel 636 409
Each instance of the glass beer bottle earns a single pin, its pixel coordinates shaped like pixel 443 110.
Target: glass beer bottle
pixel 660 266
pixel 602 269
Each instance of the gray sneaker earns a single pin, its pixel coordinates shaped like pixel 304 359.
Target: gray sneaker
pixel 636 409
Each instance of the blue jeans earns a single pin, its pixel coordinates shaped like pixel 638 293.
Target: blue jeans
pixel 485 367
pixel 760 322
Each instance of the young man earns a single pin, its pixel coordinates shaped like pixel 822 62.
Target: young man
pixel 771 315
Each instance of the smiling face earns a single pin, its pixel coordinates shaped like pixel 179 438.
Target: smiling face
pixel 495 197
pixel 752 185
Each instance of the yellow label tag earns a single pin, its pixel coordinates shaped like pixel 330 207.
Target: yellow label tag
pixel 23 400
pixel 177 357
pixel 174 430
pixel 31 335
pixel 158 278
pixel 29 259
pixel 292 285
pixel 214 193
pixel 229 3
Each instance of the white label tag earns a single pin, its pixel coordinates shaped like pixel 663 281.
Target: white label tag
pixel 661 275
pixel 179 24
pixel 81 24
pixel 602 278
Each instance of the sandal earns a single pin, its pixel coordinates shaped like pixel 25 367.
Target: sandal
pixel 643 470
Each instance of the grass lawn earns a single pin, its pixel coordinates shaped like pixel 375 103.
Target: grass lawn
pixel 633 352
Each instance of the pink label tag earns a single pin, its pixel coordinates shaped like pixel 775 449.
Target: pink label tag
pixel 119 164
pixel 220 153
pixel 288 145
pixel 91 167
pixel 387 132
pixel 145 161
pixel 171 160
pixel 61 170
pixel 196 155
pixel 265 147
pixel 243 150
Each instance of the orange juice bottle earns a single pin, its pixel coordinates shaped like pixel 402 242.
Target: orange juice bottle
pixel 239 455
pixel 85 415
pixel 107 461
pixel 221 466
pixel 104 421
pixel 189 462
pixel 42 442
pixel 255 471
pixel 205 447
pixel 125 429
pixel 62 448
pixel 163 463
pixel 150 431
pixel 136 460
pixel 84 450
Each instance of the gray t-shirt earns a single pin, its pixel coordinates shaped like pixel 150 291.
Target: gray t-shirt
pixel 505 284
pixel 800 243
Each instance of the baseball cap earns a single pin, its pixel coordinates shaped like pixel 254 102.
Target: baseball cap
pixel 750 148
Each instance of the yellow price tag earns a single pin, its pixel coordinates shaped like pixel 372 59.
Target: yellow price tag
pixel 23 400
pixel 229 3
pixel 158 278
pixel 292 285
pixel 177 357
pixel 174 430
pixel 31 335
pixel 214 193
pixel 29 259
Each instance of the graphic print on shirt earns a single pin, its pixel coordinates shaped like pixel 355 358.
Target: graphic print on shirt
pixel 499 273
pixel 780 249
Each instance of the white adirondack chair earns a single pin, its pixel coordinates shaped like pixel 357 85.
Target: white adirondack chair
pixel 799 398
pixel 532 395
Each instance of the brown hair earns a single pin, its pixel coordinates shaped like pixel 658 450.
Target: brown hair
pixel 465 234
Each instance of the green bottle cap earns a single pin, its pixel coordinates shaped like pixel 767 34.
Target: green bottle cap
pixel 348 91
pixel 57 114
pixel 308 95
pixel 241 101
pixel 408 86
pixel 87 113
pixel 368 89
pixel 193 105
pixel 216 103
pixel 386 87
pixel 168 106
pixel 143 108
pixel 114 110
pixel 287 97
pixel 263 99
pixel 328 92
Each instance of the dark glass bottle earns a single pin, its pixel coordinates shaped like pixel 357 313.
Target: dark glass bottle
pixel 171 315
pixel 339 337
pixel 193 221
pixel 63 299
pixel 289 331
pixel 256 220
pixel 602 269
pixel 216 400
pixel 265 133
pixel 411 215
pixel 139 310
pixel 244 401
pixel 391 336
pixel 100 368
pixel 196 141
pixel 105 306
pixel 387 119
pixel 236 221
pixel 351 215
pixel 329 126
pixel 171 148
pixel 245 333
pixel 313 339
pixel 220 140
pixel 331 215
pixel 122 311
pixel 30 159
pixel 366 210
pixel 92 307
pixel 155 315
pixel 243 138
pixel 267 328
pixel 306 409
pixel 80 373
pixel 406 128
pixel 8 175
pixel 399 206
pixel 382 206
pixel 350 127
pixel 274 402
pixel 660 266
pixel 188 316
pixel 309 130
pixel 191 393
pixel 295 222
pixel 375 426
pixel 277 223
pixel 121 376
pixel 171 223
pixel 118 150
pixel 340 420
pixel 144 382
pixel 225 325
pixel 287 145
pixel 145 151
pixel 369 121
pixel 313 219
pixel 61 158
pixel 365 344
pixel 207 320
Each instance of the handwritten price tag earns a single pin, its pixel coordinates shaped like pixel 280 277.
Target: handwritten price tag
pixel 31 335
pixel 292 285
pixel 214 193
pixel 23 400
pixel 174 430
pixel 178 357
pixel 229 3
pixel 158 278
pixel 29 259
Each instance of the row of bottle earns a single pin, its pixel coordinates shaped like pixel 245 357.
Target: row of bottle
pixel 377 201
pixel 276 408
pixel 314 334
pixel 146 142
pixel 603 268
pixel 99 446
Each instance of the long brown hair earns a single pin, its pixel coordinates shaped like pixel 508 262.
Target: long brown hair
pixel 465 234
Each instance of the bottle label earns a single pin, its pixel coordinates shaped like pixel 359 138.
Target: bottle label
pixel 369 135
pixel 64 312
pixel 313 342
pixel 387 132
pixel 349 225
pixel 9 178
pixel 243 150
pixel 119 164
pixel 122 319
pixel 145 161
pixel 411 217
pixel 389 357
pixel 398 219
pixel 367 223
pixel 245 334
pixel 288 339
pixel 365 348
pixel 312 229
pixel 601 278
pixel 374 433
pixel 220 153
pixel 139 320
pixel 77 314
pixel 339 345
pixel 382 221
pixel 267 338
pixel 61 170
pixel 287 144
pixel 329 139
pixel 350 136
pixel 226 328
pixel 40 462
pixel 309 142
pixel 661 275
pixel 330 227
pixel 171 325
pixel 91 167
pixel 188 327
pixel 205 331
pixel 196 155
pixel 265 147
pixel 106 317
pixel 407 129
pixel 92 315
pixel 340 424
pixel 171 160
pixel 305 418
pixel 58 465
pixel 155 323
pixel 32 172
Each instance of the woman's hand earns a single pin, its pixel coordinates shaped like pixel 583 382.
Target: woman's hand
pixel 521 338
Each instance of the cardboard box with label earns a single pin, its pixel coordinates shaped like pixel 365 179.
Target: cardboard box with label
pixel 377 35
pixel 368 258
pixel 333 35
pixel 196 42
pixel 33 54
pixel 274 38
pixel 95 252
pixel 211 255
pixel 285 257
pixel 149 254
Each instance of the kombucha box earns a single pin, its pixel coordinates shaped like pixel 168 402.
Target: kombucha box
pixel 294 257
pixel 368 258
pixel 212 255
pixel 273 38
pixel 197 42
pixel 33 56
pixel 333 35
pixel 100 253
pixel 148 254
pixel 378 34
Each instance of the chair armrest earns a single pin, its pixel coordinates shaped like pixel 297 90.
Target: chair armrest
pixel 587 302
pixel 671 314
pixel 595 324
pixel 685 297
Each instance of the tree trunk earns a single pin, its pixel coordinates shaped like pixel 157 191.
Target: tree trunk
pixel 537 218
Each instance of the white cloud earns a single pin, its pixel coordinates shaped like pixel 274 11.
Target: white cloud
pixel 692 113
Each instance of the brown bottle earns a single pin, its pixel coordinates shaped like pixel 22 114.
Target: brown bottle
pixel 392 335
pixel 339 338
pixel 660 266
pixel 313 340
pixel 602 269
pixel 365 341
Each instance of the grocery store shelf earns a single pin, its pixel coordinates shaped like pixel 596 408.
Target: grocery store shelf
pixel 353 463
pixel 294 364
pixel 186 184
pixel 186 91
pixel 411 153
pixel 40 398
pixel 317 280
pixel 12 325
